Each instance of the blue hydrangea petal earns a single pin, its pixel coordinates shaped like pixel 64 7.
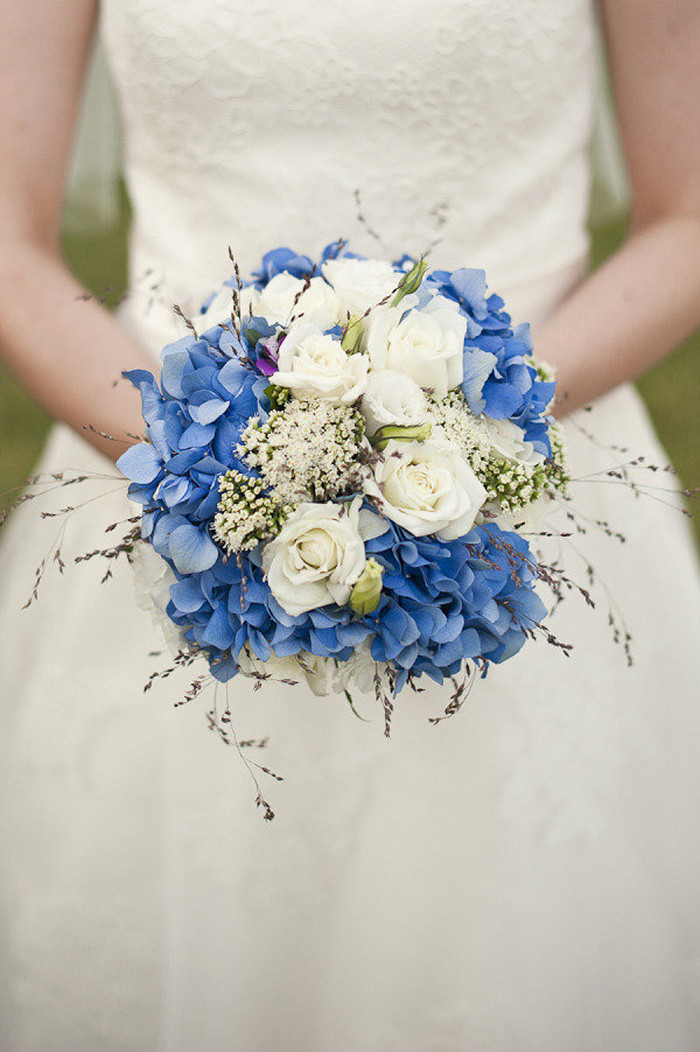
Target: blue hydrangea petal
pixel 191 550
pixel 140 463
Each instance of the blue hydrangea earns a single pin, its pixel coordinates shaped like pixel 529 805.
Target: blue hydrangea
pixel 444 602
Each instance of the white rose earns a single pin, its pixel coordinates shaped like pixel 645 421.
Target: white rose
pixel 218 312
pixel 318 555
pixel 508 442
pixel 314 365
pixel 392 398
pixel 426 344
pixel 361 283
pixel 318 303
pixel 426 489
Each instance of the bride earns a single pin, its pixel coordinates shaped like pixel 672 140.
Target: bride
pixel 522 878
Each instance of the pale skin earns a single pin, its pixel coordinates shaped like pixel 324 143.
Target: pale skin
pixel 68 352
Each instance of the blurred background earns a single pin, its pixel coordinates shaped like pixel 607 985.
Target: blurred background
pixel 671 391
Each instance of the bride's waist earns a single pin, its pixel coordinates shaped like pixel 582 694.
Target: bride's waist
pixel 157 288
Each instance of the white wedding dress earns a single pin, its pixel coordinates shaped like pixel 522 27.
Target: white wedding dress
pixel 521 878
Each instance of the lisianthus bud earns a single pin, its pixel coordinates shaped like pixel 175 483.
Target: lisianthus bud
pixel 411 281
pixel 366 592
pixel 414 433
pixel 352 337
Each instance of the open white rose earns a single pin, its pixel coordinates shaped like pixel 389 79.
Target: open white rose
pixel 318 555
pixel 318 303
pixel 392 398
pixel 426 344
pixel 361 283
pixel 508 442
pixel 426 489
pixel 314 365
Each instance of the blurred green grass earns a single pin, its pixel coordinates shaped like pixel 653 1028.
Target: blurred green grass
pixel 670 391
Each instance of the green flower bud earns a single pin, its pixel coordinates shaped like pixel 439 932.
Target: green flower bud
pixel 411 282
pixel 365 595
pixel 400 433
pixel 352 337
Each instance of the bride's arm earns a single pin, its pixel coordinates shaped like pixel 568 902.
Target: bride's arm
pixel 645 299
pixel 66 351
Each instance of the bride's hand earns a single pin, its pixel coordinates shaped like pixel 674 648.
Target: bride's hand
pixel 65 349
pixel 645 299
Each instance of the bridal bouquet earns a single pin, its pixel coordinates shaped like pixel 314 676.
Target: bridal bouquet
pixel 341 460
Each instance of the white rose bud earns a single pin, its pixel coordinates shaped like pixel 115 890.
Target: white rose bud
pixel 426 344
pixel 426 489
pixel 318 555
pixel 314 365
pixel 361 283
pixel 392 398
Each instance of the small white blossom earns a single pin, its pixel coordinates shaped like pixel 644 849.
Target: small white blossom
pixel 152 580
pixel 508 442
pixel 245 515
pixel 356 675
pixel 453 425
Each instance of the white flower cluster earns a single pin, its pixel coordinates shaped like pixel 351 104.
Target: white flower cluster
pixel 453 425
pixel 245 515
pixel 310 450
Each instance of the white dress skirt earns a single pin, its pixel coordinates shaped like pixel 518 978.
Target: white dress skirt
pixel 520 878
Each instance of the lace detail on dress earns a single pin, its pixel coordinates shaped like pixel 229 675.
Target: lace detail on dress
pixel 293 107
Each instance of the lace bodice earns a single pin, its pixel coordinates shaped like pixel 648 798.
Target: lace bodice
pixel 462 123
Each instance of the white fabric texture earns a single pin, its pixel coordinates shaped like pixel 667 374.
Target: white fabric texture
pixel 521 878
